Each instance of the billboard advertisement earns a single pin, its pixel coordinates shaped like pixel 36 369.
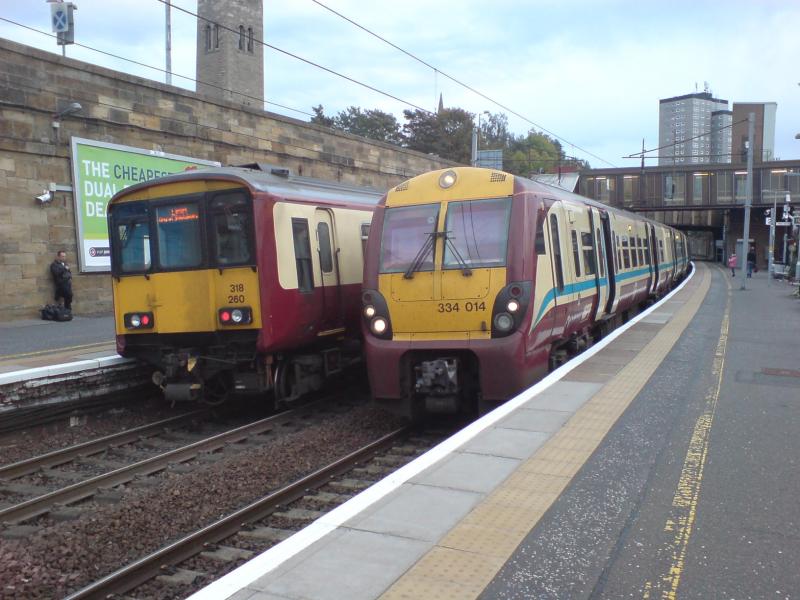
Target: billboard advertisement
pixel 100 170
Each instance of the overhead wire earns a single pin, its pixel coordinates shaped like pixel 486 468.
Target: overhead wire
pixel 141 64
pixel 458 82
pixel 297 57
pixel 683 141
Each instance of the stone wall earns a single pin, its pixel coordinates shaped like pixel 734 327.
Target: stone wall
pixel 137 112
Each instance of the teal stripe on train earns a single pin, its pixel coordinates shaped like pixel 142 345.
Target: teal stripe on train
pixel 585 285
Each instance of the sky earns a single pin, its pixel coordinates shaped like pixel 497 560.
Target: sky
pixel 589 72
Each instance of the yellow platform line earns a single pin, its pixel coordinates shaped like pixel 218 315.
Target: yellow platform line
pixel 466 560
pixel 6 357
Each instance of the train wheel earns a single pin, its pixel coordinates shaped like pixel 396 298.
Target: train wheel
pixel 216 390
pixel 284 382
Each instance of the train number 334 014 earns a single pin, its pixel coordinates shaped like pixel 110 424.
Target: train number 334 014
pixel 447 307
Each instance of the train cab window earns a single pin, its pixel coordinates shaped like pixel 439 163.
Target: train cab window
pixel 646 241
pixel 130 228
pixel 408 235
pixel 556 242
pixel 325 253
pixel 230 223
pixel 302 255
pixel 477 230
pixel 587 244
pixel 576 254
pixel 178 236
pixel 601 254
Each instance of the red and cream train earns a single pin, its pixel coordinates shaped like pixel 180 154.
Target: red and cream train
pixel 238 279
pixel 477 282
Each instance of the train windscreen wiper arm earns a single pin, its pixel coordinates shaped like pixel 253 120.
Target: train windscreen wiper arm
pixel 465 270
pixel 423 252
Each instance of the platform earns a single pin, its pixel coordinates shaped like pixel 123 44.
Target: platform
pixel 662 460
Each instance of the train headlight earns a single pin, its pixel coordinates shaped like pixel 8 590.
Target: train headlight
pixel 503 322
pixel 369 311
pixel 139 320
pixel 379 326
pixel 447 179
pixel 512 306
pixel 235 315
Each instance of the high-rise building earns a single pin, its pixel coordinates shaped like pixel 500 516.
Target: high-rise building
pixel 694 129
pixel 764 130
pixel 230 59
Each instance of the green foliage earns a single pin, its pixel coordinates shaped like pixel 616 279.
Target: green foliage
pixel 447 134
pixel 373 124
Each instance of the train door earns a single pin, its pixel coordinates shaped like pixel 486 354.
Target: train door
pixel 327 255
pixel 555 229
pixel 601 282
pixel 610 251
pixel 656 271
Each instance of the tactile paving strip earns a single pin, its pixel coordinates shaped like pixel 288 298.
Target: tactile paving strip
pixel 470 555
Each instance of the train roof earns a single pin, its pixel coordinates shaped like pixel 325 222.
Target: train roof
pixel 270 179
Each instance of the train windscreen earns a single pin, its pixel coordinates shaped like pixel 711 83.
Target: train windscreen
pixel 478 230
pixel 230 223
pixel 178 233
pixel 407 231
pixel 130 232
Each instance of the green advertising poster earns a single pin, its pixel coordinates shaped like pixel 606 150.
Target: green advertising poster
pixel 100 170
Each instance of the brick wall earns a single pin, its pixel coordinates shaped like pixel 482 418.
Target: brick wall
pixel 128 110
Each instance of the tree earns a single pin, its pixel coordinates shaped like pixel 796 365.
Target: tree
pixel 319 117
pixel 447 134
pixel 374 124
pixel 494 133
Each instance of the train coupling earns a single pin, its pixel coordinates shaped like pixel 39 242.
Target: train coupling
pixel 437 382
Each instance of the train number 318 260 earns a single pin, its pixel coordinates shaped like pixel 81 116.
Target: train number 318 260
pixel 447 307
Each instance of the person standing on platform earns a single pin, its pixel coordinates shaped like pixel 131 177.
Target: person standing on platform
pixel 751 261
pixel 62 277
pixel 732 263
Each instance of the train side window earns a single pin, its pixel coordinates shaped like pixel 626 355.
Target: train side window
pixel 661 251
pixel 632 249
pixel 325 254
pixel 538 241
pixel 556 240
pixel 647 250
pixel 364 237
pixel 640 250
pixel 619 252
pixel 601 254
pixel 576 254
pixel 589 263
pixel 302 255
pixel 626 258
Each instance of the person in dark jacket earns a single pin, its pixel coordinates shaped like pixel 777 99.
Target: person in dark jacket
pixel 751 261
pixel 62 277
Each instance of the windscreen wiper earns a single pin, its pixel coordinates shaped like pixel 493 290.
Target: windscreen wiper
pixel 421 255
pixel 465 270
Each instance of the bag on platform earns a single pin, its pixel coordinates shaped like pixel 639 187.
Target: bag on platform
pixel 56 312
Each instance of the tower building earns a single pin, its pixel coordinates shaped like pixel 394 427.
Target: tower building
pixel 764 130
pixel 694 128
pixel 230 61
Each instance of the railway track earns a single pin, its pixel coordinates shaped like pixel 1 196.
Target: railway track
pixel 80 455
pixel 223 538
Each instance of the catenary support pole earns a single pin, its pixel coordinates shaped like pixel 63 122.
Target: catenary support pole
pixel 748 199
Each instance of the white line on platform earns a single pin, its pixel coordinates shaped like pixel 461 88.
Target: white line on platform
pixel 280 553
pixel 62 369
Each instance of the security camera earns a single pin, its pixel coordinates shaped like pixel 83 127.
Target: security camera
pixel 44 197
